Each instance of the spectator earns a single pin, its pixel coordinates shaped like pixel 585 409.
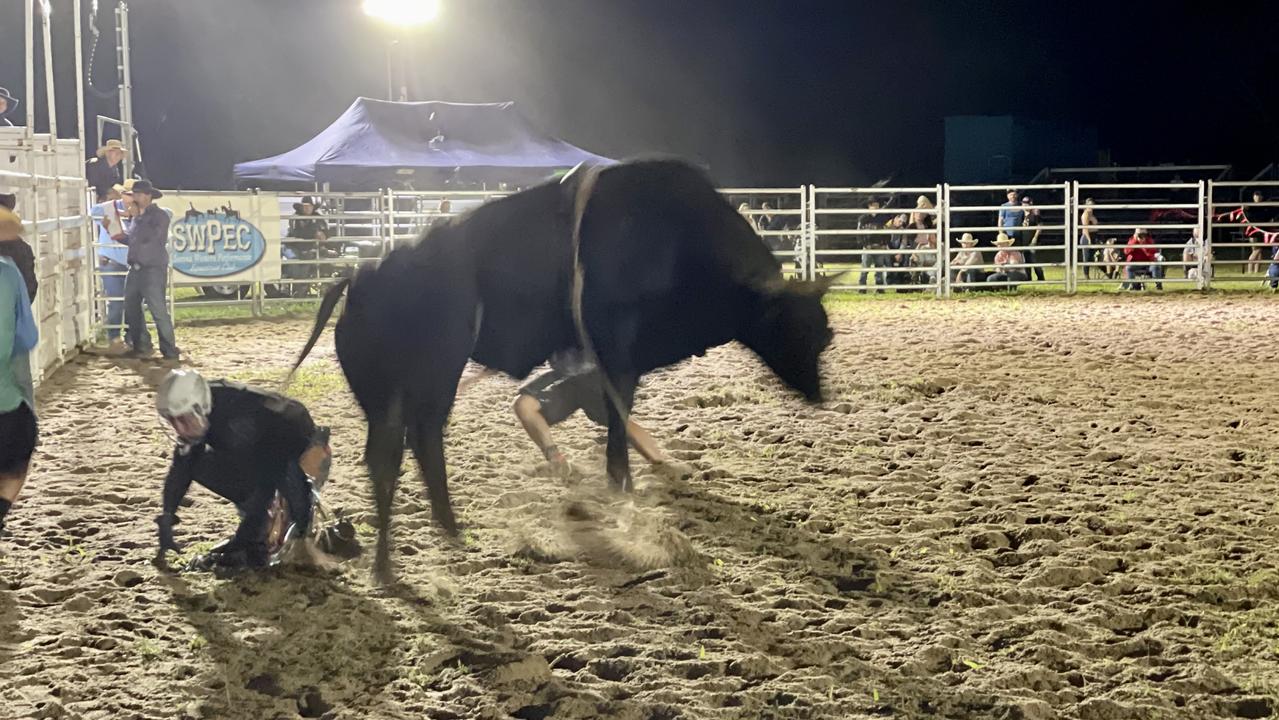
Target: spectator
pixel 1111 260
pixel 923 217
pixel 148 257
pixel 926 258
pixel 745 211
pixel 104 171
pixel 8 104
pixel 1255 216
pixel 966 261
pixel 1032 222
pixel 1087 221
pixel 1141 260
pixel 899 241
pixel 18 335
pixel 1272 272
pixel 1007 263
pixel 873 262
pixel 16 249
pixel 1011 216
pixel 113 262
pixel 1190 255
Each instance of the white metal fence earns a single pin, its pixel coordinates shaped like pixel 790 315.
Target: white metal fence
pixel 940 240
pixel 46 175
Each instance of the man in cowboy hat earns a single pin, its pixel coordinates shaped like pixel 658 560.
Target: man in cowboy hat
pixel 148 276
pixel 8 104
pixel 967 260
pixel 1007 264
pixel 104 171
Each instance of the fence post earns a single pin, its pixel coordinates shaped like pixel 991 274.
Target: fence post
pixel 1206 194
pixel 1070 193
pixel 943 241
pixel 808 232
pixel 255 287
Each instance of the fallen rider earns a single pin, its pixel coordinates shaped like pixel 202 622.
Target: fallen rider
pixel 258 449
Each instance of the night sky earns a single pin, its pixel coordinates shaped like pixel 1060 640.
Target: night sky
pixel 764 92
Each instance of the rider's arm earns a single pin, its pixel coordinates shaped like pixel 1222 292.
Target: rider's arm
pixel 178 481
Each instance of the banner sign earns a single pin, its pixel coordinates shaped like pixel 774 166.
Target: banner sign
pixel 223 237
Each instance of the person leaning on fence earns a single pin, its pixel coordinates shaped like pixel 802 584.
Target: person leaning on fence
pixel 148 276
pixel 1033 223
pixel 872 263
pixel 1141 261
pixel 966 261
pixel 899 241
pixel 113 264
pixel 18 432
pixel 1011 215
pixel 1007 261
pixel 1253 217
pixel 1087 219
pixel 104 171
pixel 16 249
pixel 1190 256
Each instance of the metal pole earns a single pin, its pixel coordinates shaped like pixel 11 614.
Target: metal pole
pixel 1205 239
pixel 941 223
pixel 30 36
pixel 390 82
pixel 79 77
pixel 1068 201
pixel 126 85
pixel 1072 236
pixel 51 103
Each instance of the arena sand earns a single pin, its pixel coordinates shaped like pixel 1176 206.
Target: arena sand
pixel 1010 508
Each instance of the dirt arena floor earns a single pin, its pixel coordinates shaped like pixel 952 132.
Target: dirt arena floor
pixel 1010 508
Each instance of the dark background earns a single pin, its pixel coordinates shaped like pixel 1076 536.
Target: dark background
pixel 764 92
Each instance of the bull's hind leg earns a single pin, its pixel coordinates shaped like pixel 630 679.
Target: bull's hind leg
pixel 383 452
pixel 427 437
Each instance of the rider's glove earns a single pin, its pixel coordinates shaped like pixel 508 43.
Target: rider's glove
pixel 166 523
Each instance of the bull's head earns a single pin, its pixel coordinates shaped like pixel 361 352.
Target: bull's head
pixel 791 332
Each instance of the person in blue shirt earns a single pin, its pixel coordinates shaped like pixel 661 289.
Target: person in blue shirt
pixel 113 260
pixel 18 336
pixel 1011 215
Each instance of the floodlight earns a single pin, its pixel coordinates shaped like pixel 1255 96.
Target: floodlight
pixel 405 13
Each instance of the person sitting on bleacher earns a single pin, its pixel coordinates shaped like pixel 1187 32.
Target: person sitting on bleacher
pixel 1007 262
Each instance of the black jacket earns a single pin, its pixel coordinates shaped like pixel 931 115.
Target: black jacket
pixel 20 252
pixel 255 434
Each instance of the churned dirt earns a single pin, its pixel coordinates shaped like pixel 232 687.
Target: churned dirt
pixel 1009 508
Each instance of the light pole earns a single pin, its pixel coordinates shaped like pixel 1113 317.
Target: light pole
pixel 401 14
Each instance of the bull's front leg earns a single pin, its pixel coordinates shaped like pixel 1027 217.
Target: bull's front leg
pixel 619 405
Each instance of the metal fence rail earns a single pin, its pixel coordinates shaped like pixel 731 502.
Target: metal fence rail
pixel 937 239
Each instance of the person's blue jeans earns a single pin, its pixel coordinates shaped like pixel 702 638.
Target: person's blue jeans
pixel 148 284
pixel 1156 273
pixel 1273 274
pixel 113 291
pixel 873 261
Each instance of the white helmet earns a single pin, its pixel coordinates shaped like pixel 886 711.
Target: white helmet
pixel 184 400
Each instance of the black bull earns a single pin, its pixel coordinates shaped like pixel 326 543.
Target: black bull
pixel 665 267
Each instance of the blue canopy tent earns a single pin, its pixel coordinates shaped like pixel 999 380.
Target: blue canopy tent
pixel 418 145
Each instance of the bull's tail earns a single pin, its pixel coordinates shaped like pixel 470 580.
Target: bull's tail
pixel 584 190
pixel 330 301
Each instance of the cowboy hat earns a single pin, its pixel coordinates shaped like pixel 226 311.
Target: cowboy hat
pixel 112 144
pixel 145 187
pixel 967 240
pixel 1002 240
pixel 126 187
pixel 8 200
pixel 306 200
pixel 10 225
pixel 10 101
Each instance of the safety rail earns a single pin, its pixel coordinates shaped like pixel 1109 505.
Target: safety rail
pixel 1078 240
